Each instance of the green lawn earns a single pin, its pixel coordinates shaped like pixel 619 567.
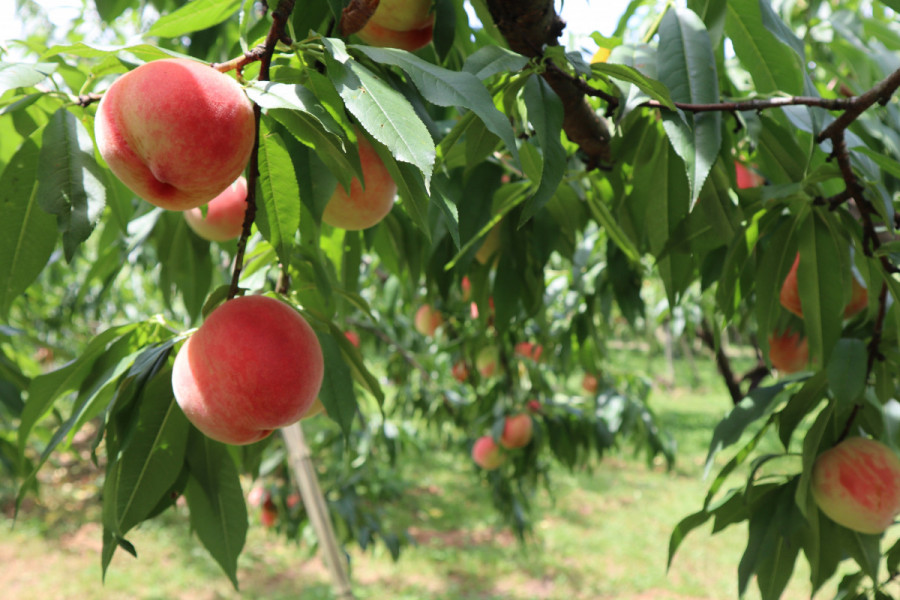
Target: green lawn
pixel 603 534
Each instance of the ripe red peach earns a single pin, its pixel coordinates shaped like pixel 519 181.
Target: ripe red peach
pixel 382 37
pixel 362 207
pixel 460 371
pixel 529 350
pixel 590 383
pixel 857 484
pixel 268 514
pixel 175 131
pixel 487 454
pixel 788 351
pixel 517 431
pixel 253 366
pixel 224 218
pixel 790 294
pixel 404 24
pixel 427 320
pixel 747 178
pixel 352 337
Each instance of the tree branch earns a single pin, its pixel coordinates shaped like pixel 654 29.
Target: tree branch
pixel 276 33
pixel 530 25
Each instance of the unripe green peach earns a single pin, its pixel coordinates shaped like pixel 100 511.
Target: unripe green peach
pixel 857 484
pixel 253 366
pixel 175 131
pixel 486 361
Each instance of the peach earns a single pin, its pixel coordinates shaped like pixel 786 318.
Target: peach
pixel 253 366
pixel 257 496
pixel 382 37
pixel 224 218
pixel 859 299
pixel 788 351
pixel 460 372
pixel 268 514
pixel 534 406
pixel 466 287
pixel 293 500
pixel 362 207
pixel 747 178
pixel 428 319
pixel 175 131
pixel 590 383
pixel 487 454
pixel 517 431
pixel 529 350
pixel 486 361
pixel 857 484
pixel 790 294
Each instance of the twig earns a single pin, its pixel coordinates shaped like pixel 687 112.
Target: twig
pixel 276 34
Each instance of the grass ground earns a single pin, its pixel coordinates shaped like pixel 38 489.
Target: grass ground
pixel 603 534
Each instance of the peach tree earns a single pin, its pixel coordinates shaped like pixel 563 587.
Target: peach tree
pixel 741 156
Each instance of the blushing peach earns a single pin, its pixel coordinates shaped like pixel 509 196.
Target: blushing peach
pixel 486 361
pixel 857 484
pixel 175 131
pixel 529 350
pixel 788 351
pixel 487 454
pixel 460 371
pixel 517 431
pixel 403 15
pixel 747 178
pixel 362 207
pixel 382 37
pixel 590 383
pixel 253 366
pixel 790 294
pixel 427 320
pixel 224 218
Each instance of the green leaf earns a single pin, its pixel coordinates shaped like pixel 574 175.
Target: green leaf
pixel 144 52
pixel 811 445
pixel 47 388
pixel 490 60
pixel 545 113
pixel 772 65
pixel 684 527
pixel 381 110
pixel 337 393
pixel 216 501
pixel 16 75
pixel 820 281
pixel 687 66
pixel 147 464
pixel 193 16
pixel 651 87
pixel 279 207
pixel 70 182
pixel 27 233
pixel 759 403
pixel 847 370
pixel 443 87
pixel 328 147
pixel 864 549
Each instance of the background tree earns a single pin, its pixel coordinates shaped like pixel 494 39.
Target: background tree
pixel 541 201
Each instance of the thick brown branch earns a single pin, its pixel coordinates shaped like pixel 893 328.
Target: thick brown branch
pixel 528 26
